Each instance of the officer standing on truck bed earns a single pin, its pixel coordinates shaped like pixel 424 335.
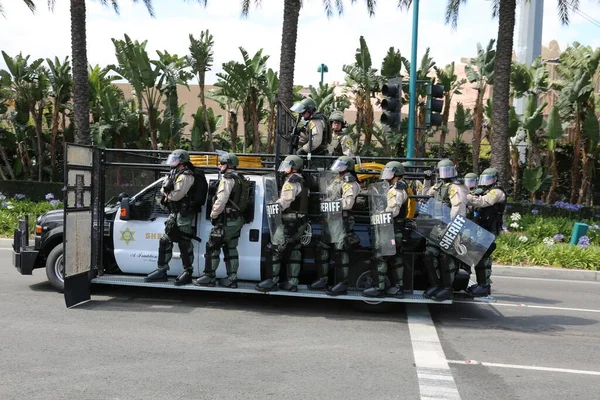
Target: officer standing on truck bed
pixel 489 201
pixel 226 216
pixel 315 134
pixel 178 227
pixel 345 187
pixel 293 203
pixel 341 142
pixel 396 204
pixel 440 266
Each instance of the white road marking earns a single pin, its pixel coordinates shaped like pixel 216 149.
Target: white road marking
pixel 433 372
pixel 545 279
pixel 532 306
pixel 530 367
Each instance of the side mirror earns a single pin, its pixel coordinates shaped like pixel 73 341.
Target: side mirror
pixel 125 209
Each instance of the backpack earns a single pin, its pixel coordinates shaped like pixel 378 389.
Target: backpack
pixel 198 191
pixel 245 193
pixel 327 134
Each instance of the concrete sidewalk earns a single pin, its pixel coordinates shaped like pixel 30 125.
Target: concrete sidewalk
pixel 498 270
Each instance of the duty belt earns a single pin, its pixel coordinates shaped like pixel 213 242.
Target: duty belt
pixel 231 213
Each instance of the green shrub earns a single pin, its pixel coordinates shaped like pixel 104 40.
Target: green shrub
pixel 35 191
pixel 11 209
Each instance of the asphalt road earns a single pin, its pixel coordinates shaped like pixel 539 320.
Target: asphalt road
pixel 132 343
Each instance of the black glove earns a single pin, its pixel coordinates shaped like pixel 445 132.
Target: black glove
pixel 477 192
pixel 301 152
pixel 214 221
pixel 168 185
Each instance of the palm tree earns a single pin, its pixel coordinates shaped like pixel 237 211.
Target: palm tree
pixel 447 77
pixel 505 11
pixel 61 83
pixel 28 3
pixel 201 59
pixel 287 60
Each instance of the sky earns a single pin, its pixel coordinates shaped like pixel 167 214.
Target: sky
pixel 320 40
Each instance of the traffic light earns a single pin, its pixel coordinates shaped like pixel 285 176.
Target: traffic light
pixel 433 114
pixel 390 104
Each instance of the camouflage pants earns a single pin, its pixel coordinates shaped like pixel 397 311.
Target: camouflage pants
pixel 175 226
pixel 483 269
pixel 339 249
pixel 395 262
pixel 231 236
pixel 443 264
pixel 292 255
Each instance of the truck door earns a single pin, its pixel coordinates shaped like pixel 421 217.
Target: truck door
pixel 136 240
pixel 81 244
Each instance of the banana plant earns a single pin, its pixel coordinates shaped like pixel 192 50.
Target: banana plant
pixel 61 83
pixel 480 72
pixel 134 65
pixel 326 100
pixel 463 122
pixel 117 119
pixel 269 90
pixel 591 137
pixel 31 87
pixel 199 128
pixel 554 132
pixel 452 85
pixel 363 81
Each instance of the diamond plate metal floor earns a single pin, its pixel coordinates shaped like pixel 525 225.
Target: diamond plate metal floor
pixel 248 287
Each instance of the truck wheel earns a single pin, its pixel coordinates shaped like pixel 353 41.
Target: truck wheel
pixel 365 281
pixel 55 268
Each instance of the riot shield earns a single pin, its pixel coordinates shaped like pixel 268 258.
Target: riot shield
pixel 273 210
pixel 458 236
pixel 382 224
pixel 330 189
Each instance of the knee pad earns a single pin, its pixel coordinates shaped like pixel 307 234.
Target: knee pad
pixel 163 244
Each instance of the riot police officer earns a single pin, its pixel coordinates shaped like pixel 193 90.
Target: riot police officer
pixel 339 246
pixel 490 202
pixel 178 227
pixel 293 202
pixel 226 216
pixel 341 142
pixel 471 181
pixel 440 266
pixel 315 135
pixel 397 197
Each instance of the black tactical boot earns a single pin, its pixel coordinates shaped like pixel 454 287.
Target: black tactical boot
pixel 319 284
pixel 395 291
pixel 185 278
pixel 431 291
pixel 288 287
pixel 480 290
pixel 228 283
pixel 444 294
pixel 266 286
pixel 160 275
pixel 338 290
pixel 206 280
pixel 373 292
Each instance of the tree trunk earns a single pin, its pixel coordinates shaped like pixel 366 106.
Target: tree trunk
pixel 369 117
pixel 551 197
pixel 232 127
pixel 576 151
pixel 37 116
pixel 500 95
pixel 254 119
pixel 81 94
pixel 586 172
pixel 271 129
pixel 9 167
pixel 445 118
pixel 201 81
pixel 478 131
pixel 514 154
pixel 53 135
pixel 291 14
pixel 153 124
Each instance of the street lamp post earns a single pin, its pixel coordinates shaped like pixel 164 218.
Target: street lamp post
pixel 412 87
pixel 322 69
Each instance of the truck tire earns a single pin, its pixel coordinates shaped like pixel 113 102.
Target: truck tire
pixel 55 268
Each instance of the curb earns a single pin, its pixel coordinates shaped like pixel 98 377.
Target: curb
pixel 498 270
pixel 546 273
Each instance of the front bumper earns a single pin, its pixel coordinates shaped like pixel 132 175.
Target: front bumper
pixel 24 256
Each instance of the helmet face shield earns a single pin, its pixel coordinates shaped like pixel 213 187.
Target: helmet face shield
pixel 487 180
pixel 387 174
pixel 286 167
pixel 471 183
pixel 339 166
pixel 298 108
pixel 174 160
pixel 447 172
